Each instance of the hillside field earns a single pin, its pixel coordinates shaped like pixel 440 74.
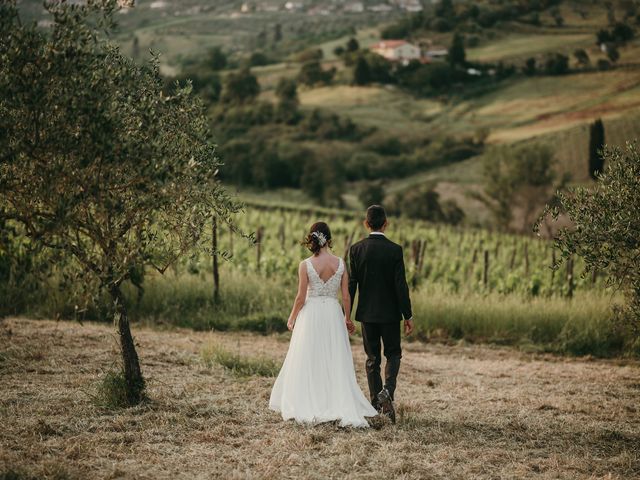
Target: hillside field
pixel 464 412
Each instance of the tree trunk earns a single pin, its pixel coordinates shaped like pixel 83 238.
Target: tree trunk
pixel 216 272
pixel 130 363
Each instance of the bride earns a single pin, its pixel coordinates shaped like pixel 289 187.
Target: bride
pixel 317 382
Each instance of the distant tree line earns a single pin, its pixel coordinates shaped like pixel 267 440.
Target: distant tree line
pixel 448 16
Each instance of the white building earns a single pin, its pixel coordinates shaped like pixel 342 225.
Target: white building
pixel 380 8
pixel 354 7
pixel 397 50
pixel 293 6
pixel 437 51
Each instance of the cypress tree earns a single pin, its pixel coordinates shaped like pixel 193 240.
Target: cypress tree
pixel 362 72
pixel 457 54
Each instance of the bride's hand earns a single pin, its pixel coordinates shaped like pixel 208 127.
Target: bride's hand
pixel 290 323
pixel 351 328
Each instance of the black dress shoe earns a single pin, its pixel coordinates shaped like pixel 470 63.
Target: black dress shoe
pixel 386 405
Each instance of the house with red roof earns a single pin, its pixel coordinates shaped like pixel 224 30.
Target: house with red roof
pixel 397 51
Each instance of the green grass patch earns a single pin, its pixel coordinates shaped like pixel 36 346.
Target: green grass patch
pixel 522 45
pixel 111 391
pixel 241 365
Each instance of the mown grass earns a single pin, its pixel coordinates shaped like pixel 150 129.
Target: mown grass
pixel 464 411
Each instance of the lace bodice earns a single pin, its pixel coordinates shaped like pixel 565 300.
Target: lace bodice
pixel 318 287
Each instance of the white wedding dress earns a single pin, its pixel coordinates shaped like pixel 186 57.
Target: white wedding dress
pixel 317 382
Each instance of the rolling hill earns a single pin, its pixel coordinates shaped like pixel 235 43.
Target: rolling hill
pixel 549 109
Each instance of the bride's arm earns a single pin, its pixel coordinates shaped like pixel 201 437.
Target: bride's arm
pixel 303 282
pixel 346 302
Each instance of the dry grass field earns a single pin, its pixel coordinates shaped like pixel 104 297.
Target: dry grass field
pixel 465 412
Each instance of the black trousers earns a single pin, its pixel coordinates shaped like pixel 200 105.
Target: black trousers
pixel 375 335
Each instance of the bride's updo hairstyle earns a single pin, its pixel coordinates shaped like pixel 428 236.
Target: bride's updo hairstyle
pixel 318 237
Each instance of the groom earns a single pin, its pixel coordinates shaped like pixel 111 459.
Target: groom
pixel 377 270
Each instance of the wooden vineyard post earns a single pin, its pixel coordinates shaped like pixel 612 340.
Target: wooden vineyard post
pixel 553 263
pixel 513 258
pixel 526 258
pixel 594 276
pixel 214 252
pixel 415 250
pixel 422 252
pixel 570 284
pixel 347 246
pixel 230 240
pixel 259 236
pixel 485 273
pixel 282 236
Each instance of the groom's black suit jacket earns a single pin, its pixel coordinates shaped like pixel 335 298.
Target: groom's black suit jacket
pixel 377 270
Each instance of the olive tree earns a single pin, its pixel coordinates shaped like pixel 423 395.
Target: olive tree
pixel 605 228
pixel 95 161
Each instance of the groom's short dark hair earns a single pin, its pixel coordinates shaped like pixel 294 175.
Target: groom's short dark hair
pixel 376 217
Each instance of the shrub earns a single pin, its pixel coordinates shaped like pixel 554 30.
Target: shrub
pixel 385 144
pixel 111 392
pixel 241 87
pixel 530 66
pixel 312 74
pixel 556 64
pixel 259 59
pixel 309 55
pixel 424 203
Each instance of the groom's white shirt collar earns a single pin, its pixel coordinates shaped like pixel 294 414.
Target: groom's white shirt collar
pixel 376 233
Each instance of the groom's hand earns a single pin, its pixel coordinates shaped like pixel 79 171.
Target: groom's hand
pixel 351 328
pixel 408 326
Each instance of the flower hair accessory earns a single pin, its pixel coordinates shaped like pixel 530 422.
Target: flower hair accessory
pixel 322 239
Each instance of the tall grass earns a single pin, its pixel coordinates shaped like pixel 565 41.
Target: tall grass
pixel 581 325
pixel 247 302
pixel 255 302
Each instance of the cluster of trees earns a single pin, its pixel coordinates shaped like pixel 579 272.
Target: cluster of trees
pixel 416 77
pixel 267 155
pixel 272 145
pixel 432 78
pixel 519 179
pixel 470 17
pixel 312 74
pixel 610 40
pixel 551 64
pixel 424 203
